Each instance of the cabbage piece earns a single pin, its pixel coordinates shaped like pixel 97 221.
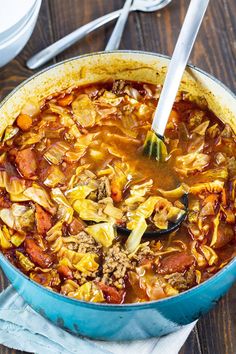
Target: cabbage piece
pixel 73 133
pixel 125 126
pixel 5 238
pixel 138 191
pixel 80 147
pixel 80 192
pixel 201 128
pixel 23 216
pixel 18 198
pixel 103 233
pixel 165 211
pixel 112 211
pixel 17 239
pixel 89 210
pixel 154 285
pixel 211 187
pixel 55 232
pixel 175 193
pixel 30 138
pixel 201 260
pixel 56 152
pixel 24 261
pixel 110 99
pixel 10 131
pixel 190 163
pixel 13 185
pixel 209 254
pixel 76 177
pixel 216 222
pixel 65 211
pixel 87 264
pixel 65 116
pixel 38 195
pixel 144 210
pixel 135 237
pixel 55 176
pixel 7 217
pixel 88 292
pixel 211 175
pixel 74 156
pixel 84 111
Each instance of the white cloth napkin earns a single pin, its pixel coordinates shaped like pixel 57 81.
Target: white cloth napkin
pixel 23 329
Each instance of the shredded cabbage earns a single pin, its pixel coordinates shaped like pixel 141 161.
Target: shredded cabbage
pixel 5 242
pixel 103 233
pixel 87 264
pixel 80 192
pixel 84 111
pixel 65 211
pixel 54 177
pixel 135 237
pixel 88 292
pixel 38 195
pixel 190 163
pixel 211 187
pixel 10 132
pixel 209 254
pixel 89 210
pixel 175 193
pixel 144 210
pixel 24 261
pixel 56 152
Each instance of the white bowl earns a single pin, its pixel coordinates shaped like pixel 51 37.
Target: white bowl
pixel 16 37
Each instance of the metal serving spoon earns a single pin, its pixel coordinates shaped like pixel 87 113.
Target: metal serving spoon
pixel 169 91
pixel 117 32
pixel 62 44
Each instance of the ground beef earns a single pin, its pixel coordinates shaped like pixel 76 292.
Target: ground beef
pixel 82 279
pixel 115 265
pixel 86 244
pixel 143 253
pixel 104 189
pixel 182 281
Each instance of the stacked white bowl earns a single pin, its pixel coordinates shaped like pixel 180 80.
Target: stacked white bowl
pixel 17 21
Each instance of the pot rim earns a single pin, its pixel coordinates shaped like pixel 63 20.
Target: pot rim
pixel 131 306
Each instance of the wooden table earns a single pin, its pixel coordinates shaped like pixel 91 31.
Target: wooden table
pixel 214 51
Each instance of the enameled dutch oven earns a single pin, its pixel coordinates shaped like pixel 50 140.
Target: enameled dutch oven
pixel 129 321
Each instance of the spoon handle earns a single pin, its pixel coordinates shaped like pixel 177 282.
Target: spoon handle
pixel 62 44
pixel 115 38
pixel 178 63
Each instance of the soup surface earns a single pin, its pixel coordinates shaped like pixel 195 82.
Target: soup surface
pixel 72 171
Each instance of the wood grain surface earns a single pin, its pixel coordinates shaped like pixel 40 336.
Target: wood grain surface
pixel 214 51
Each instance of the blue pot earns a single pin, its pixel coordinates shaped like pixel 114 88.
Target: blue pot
pixel 129 321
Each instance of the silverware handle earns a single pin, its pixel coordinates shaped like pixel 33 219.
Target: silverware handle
pixel 115 38
pixel 59 46
pixel 188 33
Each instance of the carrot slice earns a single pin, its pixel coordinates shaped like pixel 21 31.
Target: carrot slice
pixel 66 100
pixel 24 122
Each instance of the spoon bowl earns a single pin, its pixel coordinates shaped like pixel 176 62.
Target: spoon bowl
pixel 172 226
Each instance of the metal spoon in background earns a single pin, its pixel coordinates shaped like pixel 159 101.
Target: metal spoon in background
pixel 62 44
pixel 183 48
pixel 115 38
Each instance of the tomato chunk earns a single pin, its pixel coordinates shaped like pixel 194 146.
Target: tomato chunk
pixel 113 296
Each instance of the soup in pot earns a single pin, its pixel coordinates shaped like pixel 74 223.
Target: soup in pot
pixel 73 173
